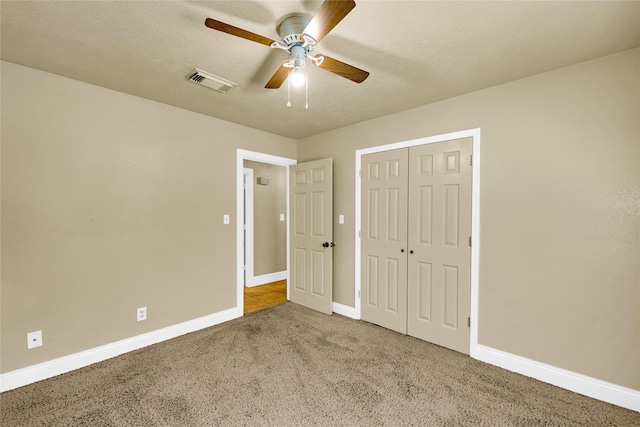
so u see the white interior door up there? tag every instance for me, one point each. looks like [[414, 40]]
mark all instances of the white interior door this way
[[311, 234], [384, 239], [439, 261]]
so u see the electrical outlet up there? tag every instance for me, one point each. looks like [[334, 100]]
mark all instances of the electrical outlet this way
[[142, 313], [34, 339]]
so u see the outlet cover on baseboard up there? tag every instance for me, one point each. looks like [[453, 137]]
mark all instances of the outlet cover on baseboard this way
[[141, 314]]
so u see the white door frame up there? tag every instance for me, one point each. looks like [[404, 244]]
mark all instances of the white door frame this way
[[248, 226], [255, 156], [474, 134]]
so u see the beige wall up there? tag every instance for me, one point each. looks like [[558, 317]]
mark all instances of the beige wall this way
[[111, 202], [559, 215], [269, 233]]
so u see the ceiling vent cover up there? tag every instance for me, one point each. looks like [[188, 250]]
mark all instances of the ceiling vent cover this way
[[209, 80]]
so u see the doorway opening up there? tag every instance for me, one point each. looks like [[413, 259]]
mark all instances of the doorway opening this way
[[264, 223], [245, 252]]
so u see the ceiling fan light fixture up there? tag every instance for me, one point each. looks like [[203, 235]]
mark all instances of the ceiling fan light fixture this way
[[297, 77]]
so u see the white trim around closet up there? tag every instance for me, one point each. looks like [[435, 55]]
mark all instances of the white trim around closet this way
[[475, 217]]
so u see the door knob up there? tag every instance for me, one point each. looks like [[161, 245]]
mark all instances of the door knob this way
[[327, 244]]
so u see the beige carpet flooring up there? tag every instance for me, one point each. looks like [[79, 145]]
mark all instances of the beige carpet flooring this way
[[288, 365]]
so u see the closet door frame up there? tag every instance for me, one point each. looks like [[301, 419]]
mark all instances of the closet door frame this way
[[474, 134]]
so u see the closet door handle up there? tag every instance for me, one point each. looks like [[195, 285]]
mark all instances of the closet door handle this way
[[410, 252], [402, 250]]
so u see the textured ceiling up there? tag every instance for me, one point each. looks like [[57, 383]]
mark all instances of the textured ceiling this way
[[416, 51]]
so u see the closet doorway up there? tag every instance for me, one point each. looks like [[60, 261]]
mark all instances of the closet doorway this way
[[415, 256]]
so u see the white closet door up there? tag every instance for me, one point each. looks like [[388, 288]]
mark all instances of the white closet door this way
[[415, 241], [439, 262], [384, 239]]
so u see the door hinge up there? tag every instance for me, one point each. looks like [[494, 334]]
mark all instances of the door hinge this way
[[469, 241], [358, 293], [359, 234], [471, 160], [469, 321], [360, 173]]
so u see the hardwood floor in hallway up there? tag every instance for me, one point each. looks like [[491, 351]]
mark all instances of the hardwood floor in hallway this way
[[263, 296]]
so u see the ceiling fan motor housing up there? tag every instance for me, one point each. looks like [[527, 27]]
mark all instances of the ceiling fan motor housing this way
[[290, 30]]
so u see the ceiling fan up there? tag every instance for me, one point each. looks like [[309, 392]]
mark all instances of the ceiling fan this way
[[300, 35]]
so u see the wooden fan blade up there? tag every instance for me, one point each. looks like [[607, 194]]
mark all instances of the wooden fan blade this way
[[238, 32], [278, 77], [345, 70], [328, 16]]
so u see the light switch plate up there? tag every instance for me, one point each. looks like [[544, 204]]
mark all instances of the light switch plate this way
[[225, 219], [340, 219], [141, 314], [281, 217]]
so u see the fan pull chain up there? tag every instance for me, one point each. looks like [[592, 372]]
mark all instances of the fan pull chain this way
[[306, 90], [289, 89]]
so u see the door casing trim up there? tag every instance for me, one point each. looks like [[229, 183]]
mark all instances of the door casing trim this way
[[474, 134], [247, 221]]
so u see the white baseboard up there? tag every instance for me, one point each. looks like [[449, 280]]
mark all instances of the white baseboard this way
[[51, 368], [588, 386], [267, 278], [582, 384], [344, 310]]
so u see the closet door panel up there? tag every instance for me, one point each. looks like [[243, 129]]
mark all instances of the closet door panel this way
[[384, 239], [439, 260]]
